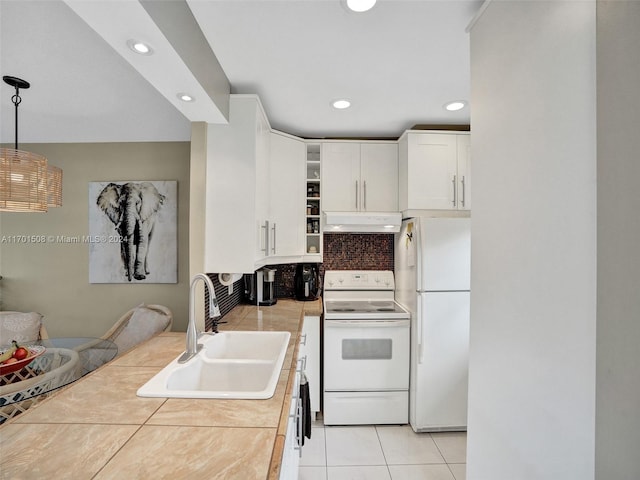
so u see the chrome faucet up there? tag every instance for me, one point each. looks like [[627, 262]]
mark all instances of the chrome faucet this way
[[193, 347]]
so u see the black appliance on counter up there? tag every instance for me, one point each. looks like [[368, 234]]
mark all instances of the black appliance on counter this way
[[259, 287], [307, 282]]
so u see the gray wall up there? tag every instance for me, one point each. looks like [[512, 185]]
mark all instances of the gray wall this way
[[618, 351], [533, 281], [53, 278]]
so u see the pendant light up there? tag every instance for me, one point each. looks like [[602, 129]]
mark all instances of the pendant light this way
[[27, 182]]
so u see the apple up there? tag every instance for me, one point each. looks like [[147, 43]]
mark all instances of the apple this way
[[21, 353], [10, 361]]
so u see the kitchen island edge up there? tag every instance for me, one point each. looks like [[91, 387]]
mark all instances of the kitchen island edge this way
[[129, 417]]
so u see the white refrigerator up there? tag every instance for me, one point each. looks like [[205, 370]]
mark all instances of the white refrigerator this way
[[432, 272]]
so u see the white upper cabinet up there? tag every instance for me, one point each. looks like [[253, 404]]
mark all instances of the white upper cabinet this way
[[434, 171], [358, 177], [287, 197], [255, 211], [340, 176], [263, 229], [313, 205], [237, 181], [265, 190], [379, 174], [464, 172]]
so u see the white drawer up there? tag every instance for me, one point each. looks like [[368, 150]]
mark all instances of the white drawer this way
[[363, 408]]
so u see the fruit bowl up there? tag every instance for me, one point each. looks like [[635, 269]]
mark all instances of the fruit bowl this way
[[34, 351]]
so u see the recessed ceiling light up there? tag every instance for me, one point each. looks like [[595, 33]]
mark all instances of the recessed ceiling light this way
[[140, 47], [360, 5], [341, 104], [454, 106], [185, 97]]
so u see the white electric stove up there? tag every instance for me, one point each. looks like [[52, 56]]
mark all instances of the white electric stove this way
[[366, 349]]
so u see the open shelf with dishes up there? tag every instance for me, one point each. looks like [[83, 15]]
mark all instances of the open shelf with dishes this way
[[313, 211]]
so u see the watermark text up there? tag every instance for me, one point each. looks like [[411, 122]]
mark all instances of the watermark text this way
[[60, 239]]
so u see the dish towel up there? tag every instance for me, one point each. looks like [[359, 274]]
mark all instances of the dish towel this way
[[305, 418]]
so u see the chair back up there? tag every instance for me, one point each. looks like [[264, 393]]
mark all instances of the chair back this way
[[139, 324], [21, 327]]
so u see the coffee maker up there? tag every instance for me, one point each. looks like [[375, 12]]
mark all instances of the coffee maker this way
[[260, 287], [306, 282]]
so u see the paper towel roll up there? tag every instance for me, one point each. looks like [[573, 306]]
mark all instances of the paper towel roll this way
[[228, 279]]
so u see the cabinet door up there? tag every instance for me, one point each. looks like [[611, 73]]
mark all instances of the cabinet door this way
[[231, 189], [287, 213], [262, 136], [291, 449], [464, 172], [379, 177], [341, 177], [432, 171], [403, 172], [310, 347]]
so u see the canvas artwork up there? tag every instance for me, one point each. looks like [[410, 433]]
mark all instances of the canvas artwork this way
[[133, 232]]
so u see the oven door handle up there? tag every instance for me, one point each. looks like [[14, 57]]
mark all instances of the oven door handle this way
[[366, 323]]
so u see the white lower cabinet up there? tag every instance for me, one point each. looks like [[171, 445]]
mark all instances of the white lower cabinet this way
[[308, 364], [310, 348], [293, 439]]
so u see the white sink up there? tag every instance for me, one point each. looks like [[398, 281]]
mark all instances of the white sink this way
[[246, 345], [242, 365]]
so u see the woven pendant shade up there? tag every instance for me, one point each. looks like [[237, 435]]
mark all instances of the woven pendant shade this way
[[23, 181], [27, 183], [54, 186]]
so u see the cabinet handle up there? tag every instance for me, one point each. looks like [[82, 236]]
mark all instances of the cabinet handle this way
[[356, 195], [299, 427], [463, 192], [454, 190], [303, 339], [297, 412], [364, 195], [274, 239], [265, 238], [303, 364]]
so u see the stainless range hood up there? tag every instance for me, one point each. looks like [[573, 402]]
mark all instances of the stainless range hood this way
[[362, 222]]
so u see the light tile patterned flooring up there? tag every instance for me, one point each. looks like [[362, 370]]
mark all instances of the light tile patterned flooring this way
[[382, 453]]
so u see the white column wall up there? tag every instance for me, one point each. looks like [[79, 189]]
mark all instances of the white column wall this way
[[618, 353], [197, 213], [533, 302]]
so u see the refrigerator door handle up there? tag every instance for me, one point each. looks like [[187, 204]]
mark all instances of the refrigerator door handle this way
[[419, 333]]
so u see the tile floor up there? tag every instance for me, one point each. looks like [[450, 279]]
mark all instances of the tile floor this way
[[382, 453]]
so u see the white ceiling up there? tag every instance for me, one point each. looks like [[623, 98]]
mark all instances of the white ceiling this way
[[398, 64]]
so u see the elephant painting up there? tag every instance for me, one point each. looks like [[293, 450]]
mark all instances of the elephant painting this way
[[132, 207]]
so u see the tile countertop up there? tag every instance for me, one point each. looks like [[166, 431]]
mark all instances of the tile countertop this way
[[98, 427]]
